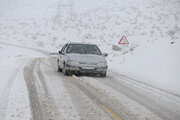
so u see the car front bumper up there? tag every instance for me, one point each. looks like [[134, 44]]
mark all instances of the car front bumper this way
[[86, 69]]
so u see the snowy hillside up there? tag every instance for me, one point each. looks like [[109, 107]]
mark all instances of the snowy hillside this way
[[152, 26]]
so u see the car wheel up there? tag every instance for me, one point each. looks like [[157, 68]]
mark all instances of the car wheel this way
[[103, 74], [64, 70], [59, 69]]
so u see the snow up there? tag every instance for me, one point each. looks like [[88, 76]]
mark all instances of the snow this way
[[60, 95], [8, 68], [127, 105], [18, 101], [13, 91], [10, 60], [151, 27], [157, 65]]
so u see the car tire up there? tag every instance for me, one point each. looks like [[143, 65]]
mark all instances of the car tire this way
[[59, 69], [64, 70], [103, 74]]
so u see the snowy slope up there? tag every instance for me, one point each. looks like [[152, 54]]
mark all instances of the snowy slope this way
[[149, 25]]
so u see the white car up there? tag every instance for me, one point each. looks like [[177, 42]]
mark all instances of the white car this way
[[82, 58]]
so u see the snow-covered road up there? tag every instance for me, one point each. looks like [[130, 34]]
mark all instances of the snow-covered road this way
[[53, 96]]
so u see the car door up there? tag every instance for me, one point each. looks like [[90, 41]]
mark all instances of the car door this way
[[62, 56]]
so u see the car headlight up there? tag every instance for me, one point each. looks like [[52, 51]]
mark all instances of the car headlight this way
[[102, 64]]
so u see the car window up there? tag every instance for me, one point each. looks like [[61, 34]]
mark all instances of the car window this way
[[73, 49], [83, 49]]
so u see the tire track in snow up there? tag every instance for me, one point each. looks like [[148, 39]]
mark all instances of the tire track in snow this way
[[87, 109], [41, 104], [57, 90], [117, 102], [39, 101], [36, 109], [94, 97]]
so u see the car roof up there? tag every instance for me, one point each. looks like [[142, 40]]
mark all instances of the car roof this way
[[81, 43]]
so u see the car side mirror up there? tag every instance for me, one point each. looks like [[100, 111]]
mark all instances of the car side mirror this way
[[62, 53], [105, 54], [59, 52]]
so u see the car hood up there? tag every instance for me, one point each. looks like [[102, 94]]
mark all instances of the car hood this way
[[86, 58]]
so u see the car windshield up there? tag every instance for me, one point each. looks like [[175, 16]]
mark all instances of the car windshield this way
[[83, 49]]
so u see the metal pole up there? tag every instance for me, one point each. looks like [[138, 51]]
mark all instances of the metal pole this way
[[123, 52]]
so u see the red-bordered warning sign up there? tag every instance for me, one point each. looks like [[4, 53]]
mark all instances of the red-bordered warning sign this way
[[123, 40]]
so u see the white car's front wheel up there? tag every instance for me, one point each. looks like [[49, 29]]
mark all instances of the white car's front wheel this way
[[103, 74], [64, 70], [58, 67]]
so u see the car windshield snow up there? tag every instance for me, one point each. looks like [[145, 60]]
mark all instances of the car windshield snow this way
[[83, 49]]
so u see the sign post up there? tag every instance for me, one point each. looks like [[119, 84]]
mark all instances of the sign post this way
[[123, 41], [123, 51]]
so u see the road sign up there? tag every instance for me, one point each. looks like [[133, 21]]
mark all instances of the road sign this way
[[123, 40]]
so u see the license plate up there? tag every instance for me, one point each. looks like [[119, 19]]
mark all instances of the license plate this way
[[88, 68]]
